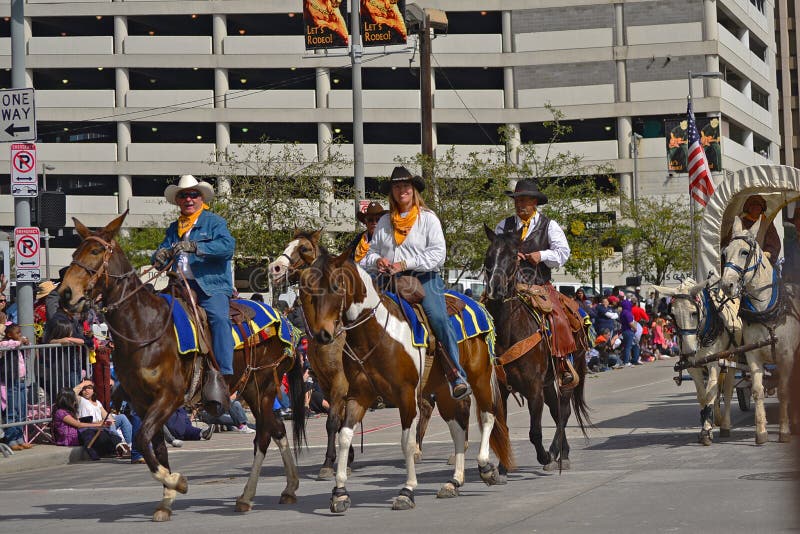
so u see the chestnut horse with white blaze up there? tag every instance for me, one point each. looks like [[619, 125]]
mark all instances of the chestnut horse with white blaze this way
[[156, 378], [338, 296]]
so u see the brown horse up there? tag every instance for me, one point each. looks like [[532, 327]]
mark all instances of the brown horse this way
[[531, 375], [337, 297], [156, 378]]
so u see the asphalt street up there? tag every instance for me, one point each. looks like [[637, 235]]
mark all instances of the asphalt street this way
[[640, 470]]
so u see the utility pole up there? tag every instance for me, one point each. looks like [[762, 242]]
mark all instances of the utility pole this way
[[358, 115], [426, 96], [22, 205]]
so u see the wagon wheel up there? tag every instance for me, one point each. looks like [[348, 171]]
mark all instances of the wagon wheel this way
[[744, 394]]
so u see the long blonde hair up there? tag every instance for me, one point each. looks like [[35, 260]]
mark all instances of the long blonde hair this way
[[417, 201]]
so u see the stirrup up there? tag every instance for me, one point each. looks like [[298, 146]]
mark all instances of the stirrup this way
[[460, 390]]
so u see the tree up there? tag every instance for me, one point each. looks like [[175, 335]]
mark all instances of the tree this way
[[140, 243], [655, 234]]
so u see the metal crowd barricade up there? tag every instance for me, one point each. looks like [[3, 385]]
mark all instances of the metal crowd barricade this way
[[30, 379]]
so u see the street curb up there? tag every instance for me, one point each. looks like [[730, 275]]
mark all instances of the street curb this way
[[41, 456]]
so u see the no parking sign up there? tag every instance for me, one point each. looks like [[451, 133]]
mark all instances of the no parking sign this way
[[26, 253], [24, 181]]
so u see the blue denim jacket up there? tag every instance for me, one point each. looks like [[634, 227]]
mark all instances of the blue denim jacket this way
[[215, 245]]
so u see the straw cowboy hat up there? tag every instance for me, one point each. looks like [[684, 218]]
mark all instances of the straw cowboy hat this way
[[528, 187], [401, 174], [44, 289], [187, 181], [374, 208]]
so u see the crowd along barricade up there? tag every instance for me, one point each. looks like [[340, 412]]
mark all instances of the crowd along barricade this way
[[30, 379]]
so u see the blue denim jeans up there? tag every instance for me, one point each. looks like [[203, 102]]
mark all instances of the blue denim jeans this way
[[630, 349], [217, 307], [436, 310], [136, 424], [122, 424], [236, 416], [17, 407]]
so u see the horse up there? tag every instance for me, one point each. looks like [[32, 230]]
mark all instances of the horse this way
[[156, 378], [531, 374], [339, 296], [770, 310], [698, 314]]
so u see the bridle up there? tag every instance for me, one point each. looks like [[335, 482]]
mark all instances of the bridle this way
[[512, 280], [748, 268]]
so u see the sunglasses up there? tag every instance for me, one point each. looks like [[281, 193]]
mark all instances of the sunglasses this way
[[372, 219], [188, 194]]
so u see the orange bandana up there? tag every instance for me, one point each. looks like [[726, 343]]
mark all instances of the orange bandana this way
[[362, 248], [185, 222], [402, 225]]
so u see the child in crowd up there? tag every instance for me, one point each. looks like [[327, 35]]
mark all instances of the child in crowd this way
[[13, 394]]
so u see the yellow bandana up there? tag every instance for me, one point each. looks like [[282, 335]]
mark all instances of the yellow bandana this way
[[362, 248], [526, 225], [185, 222], [402, 225]]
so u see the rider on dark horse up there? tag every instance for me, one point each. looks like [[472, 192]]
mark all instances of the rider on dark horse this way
[[543, 247], [203, 248]]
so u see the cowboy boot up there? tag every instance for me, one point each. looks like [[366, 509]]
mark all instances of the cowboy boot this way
[[215, 396], [459, 388]]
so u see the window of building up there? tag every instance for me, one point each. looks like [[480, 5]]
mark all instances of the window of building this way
[[170, 25], [652, 127], [82, 185], [759, 5], [580, 130], [171, 79], [758, 48], [5, 27], [761, 145], [5, 78], [469, 78], [474, 22], [54, 79], [72, 26], [275, 132], [736, 133], [401, 78], [341, 78], [468, 134], [266, 24], [151, 186], [398, 133], [759, 96], [272, 79], [76, 132], [173, 132]]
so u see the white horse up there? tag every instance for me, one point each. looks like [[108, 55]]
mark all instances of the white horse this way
[[698, 313], [770, 311]]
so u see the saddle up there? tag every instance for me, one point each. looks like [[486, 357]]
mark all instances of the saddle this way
[[559, 311], [454, 307]]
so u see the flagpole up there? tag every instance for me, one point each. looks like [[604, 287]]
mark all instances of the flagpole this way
[[691, 200]]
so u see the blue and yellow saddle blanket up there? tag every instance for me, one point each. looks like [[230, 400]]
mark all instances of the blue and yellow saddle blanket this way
[[265, 318], [474, 320]]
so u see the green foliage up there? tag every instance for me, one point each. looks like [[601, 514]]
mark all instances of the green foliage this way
[[139, 243]]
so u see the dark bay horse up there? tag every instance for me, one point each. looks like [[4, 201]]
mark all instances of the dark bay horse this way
[[531, 375], [339, 297], [156, 378]]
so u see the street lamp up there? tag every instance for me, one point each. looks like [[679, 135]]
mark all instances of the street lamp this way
[[45, 168], [694, 76], [46, 236]]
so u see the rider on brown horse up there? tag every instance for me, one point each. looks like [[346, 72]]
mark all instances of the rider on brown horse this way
[[203, 247], [543, 247], [369, 217]]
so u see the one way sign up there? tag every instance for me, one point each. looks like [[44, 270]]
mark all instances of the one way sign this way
[[17, 115]]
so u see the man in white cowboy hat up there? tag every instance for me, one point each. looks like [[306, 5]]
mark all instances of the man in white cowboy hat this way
[[543, 246], [203, 248]]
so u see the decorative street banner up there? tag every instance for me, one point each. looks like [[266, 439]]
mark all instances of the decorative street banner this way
[[677, 139], [382, 22], [325, 27]]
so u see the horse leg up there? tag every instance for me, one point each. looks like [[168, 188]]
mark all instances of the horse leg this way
[[560, 410], [485, 399], [535, 407], [502, 469], [784, 376], [332, 425], [426, 405], [706, 414], [354, 412], [728, 379], [456, 415], [757, 376], [408, 412]]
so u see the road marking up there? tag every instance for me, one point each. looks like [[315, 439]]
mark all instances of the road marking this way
[[640, 386]]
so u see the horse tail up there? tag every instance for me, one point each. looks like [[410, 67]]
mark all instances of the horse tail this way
[[297, 391], [499, 439], [579, 405]]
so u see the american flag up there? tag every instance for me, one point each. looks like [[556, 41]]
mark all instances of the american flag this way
[[701, 187]]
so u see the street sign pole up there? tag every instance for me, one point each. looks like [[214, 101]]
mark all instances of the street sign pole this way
[[22, 205]]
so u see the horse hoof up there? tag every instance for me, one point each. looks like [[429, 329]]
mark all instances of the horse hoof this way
[[784, 437], [326, 473], [552, 466], [565, 465], [287, 498], [341, 504], [417, 457], [162, 514], [401, 502], [490, 476], [761, 438], [447, 491], [183, 485], [724, 432], [501, 480], [705, 441], [242, 506]]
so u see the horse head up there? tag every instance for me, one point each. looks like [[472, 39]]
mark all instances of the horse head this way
[[94, 262], [740, 258], [501, 263], [332, 290], [686, 312], [299, 253]]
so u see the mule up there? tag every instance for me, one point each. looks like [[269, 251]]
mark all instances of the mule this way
[[156, 378], [702, 331], [770, 310], [531, 375], [338, 296]]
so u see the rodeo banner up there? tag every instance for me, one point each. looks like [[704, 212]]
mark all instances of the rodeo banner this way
[[677, 143], [382, 22], [325, 26]]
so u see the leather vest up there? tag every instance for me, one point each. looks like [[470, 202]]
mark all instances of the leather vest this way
[[537, 240]]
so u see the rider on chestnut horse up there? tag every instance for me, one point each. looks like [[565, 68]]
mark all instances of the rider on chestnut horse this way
[[543, 246]]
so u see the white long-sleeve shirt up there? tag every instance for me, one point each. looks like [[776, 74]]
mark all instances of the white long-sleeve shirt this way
[[558, 253], [423, 250]]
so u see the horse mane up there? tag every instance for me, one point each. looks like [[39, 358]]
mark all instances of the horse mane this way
[[305, 234]]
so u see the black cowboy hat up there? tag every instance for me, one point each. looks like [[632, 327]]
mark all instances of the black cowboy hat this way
[[528, 187], [374, 208], [401, 174]]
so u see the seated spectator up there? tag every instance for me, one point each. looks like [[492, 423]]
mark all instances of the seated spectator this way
[[605, 344], [180, 426], [89, 406], [69, 431], [316, 403], [235, 419], [13, 381]]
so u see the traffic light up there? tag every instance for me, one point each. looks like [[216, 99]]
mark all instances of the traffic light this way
[[51, 210]]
